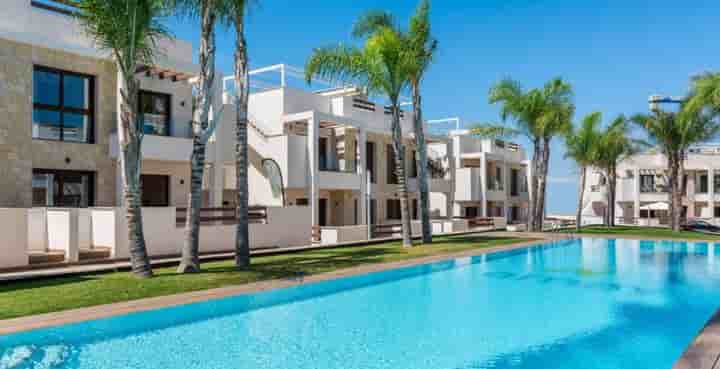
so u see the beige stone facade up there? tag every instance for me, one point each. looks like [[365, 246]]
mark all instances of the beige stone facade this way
[[20, 153]]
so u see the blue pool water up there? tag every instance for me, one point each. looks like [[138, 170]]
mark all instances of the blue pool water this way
[[587, 304]]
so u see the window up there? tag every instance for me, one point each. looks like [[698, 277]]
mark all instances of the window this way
[[62, 105], [63, 188], [647, 183], [415, 209], [716, 212], [471, 212], [155, 190], [393, 209], [702, 185], [716, 183], [155, 113], [370, 160], [302, 202], [413, 165], [390, 165]]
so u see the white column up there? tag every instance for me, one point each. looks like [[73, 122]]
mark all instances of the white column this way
[[360, 163], [483, 184], [452, 167], [313, 169], [711, 192], [636, 197]]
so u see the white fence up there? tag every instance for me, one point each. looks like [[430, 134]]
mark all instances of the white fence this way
[[72, 230]]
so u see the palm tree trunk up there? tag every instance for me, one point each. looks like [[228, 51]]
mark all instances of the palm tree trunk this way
[[581, 196], [422, 165], [130, 162], [611, 193], [532, 224], [190, 261], [541, 186], [675, 190], [399, 149], [242, 235]]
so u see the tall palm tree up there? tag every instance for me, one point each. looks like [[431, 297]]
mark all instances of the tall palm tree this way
[[421, 51], [129, 30], [202, 126], [381, 66], [235, 13], [614, 145], [540, 114], [581, 145], [674, 133], [705, 94]]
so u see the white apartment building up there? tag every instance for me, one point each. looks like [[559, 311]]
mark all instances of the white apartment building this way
[[491, 178], [328, 144], [642, 195]]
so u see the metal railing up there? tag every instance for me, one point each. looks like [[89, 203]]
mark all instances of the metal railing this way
[[222, 216]]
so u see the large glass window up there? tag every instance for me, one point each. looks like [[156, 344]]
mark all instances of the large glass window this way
[[62, 188], [155, 113], [62, 105], [155, 190]]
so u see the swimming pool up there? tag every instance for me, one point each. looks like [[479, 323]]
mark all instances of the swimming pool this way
[[589, 303]]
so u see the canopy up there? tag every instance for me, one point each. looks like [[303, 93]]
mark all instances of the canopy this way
[[656, 206]]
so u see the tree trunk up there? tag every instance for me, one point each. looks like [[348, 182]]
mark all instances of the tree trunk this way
[[130, 141], [676, 187], [242, 236], [537, 149], [612, 183], [541, 186], [399, 149], [422, 166], [190, 261], [581, 195]]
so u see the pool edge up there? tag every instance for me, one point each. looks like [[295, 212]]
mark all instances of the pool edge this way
[[47, 320]]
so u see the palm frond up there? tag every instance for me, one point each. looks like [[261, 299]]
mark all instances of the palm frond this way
[[371, 22], [493, 131]]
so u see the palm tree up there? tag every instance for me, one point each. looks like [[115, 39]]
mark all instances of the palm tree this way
[[202, 126], [422, 47], [129, 30], [613, 145], [235, 14], [705, 94], [581, 145], [540, 115], [674, 133], [381, 66]]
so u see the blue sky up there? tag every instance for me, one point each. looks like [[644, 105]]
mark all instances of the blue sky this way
[[614, 52]]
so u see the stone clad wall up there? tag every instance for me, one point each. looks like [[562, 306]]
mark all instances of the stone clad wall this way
[[19, 153]]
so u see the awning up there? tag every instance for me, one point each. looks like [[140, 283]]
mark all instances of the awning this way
[[163, 73], [656, 206]]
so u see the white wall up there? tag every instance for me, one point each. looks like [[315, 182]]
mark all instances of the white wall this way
[[289, 226], [13, 244]]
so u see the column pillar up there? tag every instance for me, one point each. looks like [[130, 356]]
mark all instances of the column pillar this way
[[636, 197], [483, 185], [313, 169], [360, 163], [711, 192], [452, 166]]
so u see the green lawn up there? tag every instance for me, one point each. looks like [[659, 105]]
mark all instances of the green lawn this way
[[42, 296], [650, 232]]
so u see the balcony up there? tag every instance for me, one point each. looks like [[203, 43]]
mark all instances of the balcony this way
[[164, 148], [339, 180], [440, 185], [469, 185]]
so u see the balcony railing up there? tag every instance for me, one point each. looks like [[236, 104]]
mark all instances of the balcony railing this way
[[654, 189]]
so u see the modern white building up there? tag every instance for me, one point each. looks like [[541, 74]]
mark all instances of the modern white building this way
[[328, 144], [642, 193], [490, 175]]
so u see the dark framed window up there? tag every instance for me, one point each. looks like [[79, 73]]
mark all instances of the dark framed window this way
[[154, 112], [63, 105], [716, 212], [393, 209], [302, 202], [413, 165], [370, 160], [415, 208], [390, 165], [155, 190], [63, 188]]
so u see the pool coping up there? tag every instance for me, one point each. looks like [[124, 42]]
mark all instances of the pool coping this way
[[704, 350], [47, 320]]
